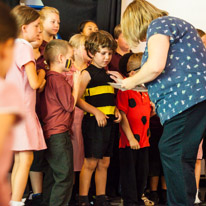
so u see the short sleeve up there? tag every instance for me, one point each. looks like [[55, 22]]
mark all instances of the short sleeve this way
[[168, 26], [23, 54], [65, 97], [122, 101], [10, 100]]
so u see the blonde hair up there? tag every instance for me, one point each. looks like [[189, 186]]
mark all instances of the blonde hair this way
[[54, 48], [47, 10], [136, 19], [134, 61], [117, 31], [24, 15], [77, 40]]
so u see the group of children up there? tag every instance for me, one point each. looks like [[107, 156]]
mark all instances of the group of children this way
[[70, 114]]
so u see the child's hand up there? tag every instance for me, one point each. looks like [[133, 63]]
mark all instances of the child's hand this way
[[101, 118], [134, 144], [76, 77], [117, 116], [152, 113], [41, 88], [42, 71]]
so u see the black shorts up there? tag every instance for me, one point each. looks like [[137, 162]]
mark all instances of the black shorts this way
[[38, 162], [98, 141]]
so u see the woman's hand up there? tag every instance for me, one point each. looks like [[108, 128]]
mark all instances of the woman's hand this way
[[128, 83], [115, 76]]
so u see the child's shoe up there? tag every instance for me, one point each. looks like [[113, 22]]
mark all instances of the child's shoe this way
[[154, 197], [84, 201], [15, 203], [101, 200], [147, 202], [37, 199]]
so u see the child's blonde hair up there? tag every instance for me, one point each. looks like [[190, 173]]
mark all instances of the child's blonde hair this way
[[134, 61], [136, 19], [24, 15], [117, 31], [77, 40], [54, 48], [47, 10]]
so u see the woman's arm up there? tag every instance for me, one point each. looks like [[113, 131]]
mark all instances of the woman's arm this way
[[100, 116], [35, 80], [134, 144], [158, 47]]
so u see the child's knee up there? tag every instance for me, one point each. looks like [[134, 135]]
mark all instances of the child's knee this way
[[90, 164], [103, 163]]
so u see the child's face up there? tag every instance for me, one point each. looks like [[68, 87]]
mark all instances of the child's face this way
[[6, 56], [32, 31], [51, 24], [102, 58], [81, 53], [122, 43], [89, 28], [204, 39], [36, 44]]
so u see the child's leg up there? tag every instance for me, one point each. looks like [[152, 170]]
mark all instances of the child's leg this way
[[88, 168], [59, 155], [36, 181], [22, 164], [101, 175]]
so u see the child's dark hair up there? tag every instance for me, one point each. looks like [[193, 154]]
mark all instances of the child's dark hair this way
[[100, 39], [24, 15], [82, 25], [8, 27], [54, 48], [130, 62]]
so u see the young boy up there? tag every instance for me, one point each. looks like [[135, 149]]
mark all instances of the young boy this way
[[57, 104], [98, 122], [122, 48], [135, 109]]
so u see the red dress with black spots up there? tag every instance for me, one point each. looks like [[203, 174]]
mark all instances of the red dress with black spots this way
[[136, 106]]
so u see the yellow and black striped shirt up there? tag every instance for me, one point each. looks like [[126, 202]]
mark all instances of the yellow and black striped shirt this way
[[98, 92]]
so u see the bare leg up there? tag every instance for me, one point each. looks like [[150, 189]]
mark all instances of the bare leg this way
[[86, 174], [154, 180], [101, 175], [163, 183], [197, 172], [23, 161], [36, 181]]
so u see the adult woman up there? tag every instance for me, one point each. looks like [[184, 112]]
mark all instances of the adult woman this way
[[174, 70]]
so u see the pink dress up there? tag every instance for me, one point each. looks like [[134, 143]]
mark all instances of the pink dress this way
[[29, 134], [10, 103], [76, 137]]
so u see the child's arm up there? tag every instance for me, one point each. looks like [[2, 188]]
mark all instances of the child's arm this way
[[35, 80], [76, 85], [6, 122], [152, 113], [100, 116], [117, 115], [134, 144]]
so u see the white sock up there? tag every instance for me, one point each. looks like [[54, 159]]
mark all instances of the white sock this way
[[197, 200], [15, 203]]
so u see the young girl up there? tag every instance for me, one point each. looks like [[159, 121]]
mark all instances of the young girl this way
[[51, 21], [80, 62], [11, 109], [28, 135], [87, 27]]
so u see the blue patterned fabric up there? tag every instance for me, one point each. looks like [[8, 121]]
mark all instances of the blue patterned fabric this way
[[182, 83]]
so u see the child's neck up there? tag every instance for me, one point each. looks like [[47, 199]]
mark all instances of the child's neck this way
[[121, 52], [56, 68], [37, 53], [79, 64], [47, 37]]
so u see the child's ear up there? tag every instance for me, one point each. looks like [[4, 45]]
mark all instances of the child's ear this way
[[23, 28], [60, 58]]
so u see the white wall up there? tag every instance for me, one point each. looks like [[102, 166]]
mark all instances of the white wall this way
[[193, 11]]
